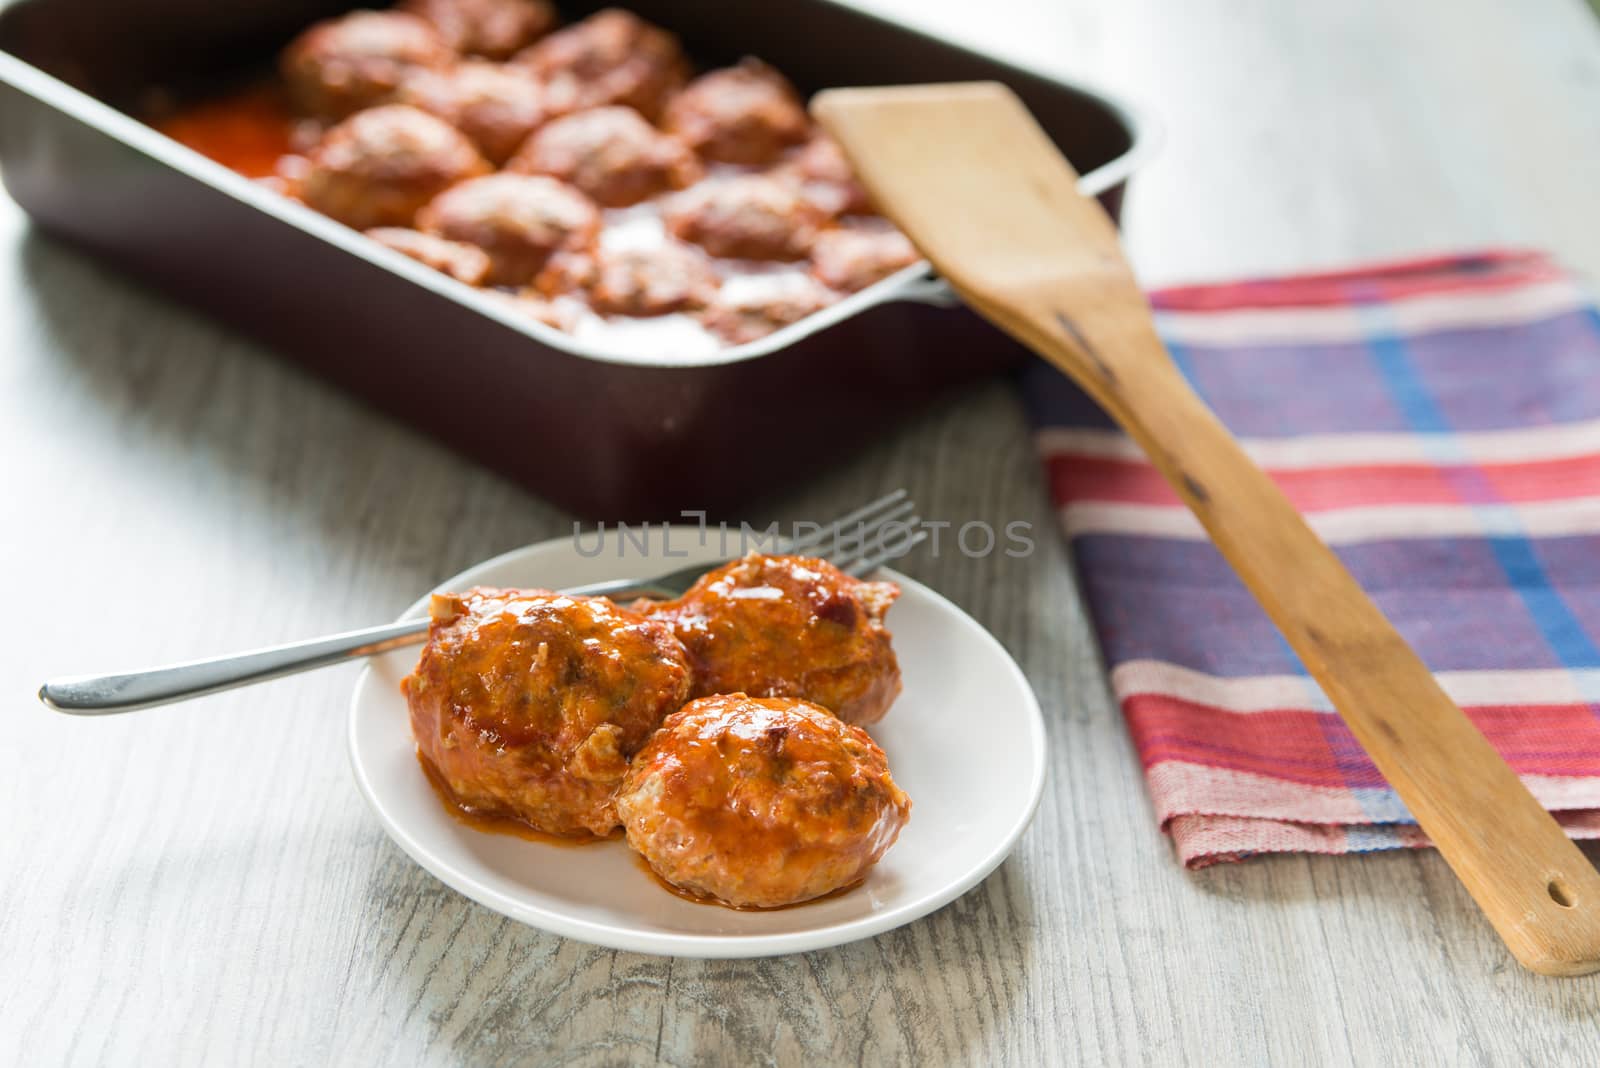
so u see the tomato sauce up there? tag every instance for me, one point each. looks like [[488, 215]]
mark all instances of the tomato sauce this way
[[248, 131]]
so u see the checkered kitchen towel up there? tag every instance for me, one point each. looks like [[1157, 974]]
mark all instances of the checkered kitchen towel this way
[[1438, 421]]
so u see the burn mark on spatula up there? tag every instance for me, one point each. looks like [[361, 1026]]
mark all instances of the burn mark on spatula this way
[[1195, 487], [1072, 331]]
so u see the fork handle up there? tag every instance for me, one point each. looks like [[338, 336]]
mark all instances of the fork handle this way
[[99, 695]]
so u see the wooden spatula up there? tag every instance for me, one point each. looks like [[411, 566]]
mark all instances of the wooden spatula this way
[[972, 179]]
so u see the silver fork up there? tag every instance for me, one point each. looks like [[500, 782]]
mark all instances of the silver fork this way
[[861, 541]]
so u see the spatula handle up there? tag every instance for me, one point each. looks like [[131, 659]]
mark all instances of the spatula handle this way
[[1539, 891], [986, 196]]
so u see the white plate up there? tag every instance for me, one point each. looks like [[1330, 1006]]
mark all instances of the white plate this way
[[965, 741]]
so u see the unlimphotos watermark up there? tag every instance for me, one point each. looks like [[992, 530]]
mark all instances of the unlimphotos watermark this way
[[974, 538]]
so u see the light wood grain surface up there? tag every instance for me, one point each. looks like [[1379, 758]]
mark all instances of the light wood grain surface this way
[[201, 883]]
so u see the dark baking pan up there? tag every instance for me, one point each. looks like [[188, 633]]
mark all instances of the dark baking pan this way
[[604, 435]]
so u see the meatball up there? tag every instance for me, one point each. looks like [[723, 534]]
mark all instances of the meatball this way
[[638, 282], [560, 313], [760, 803], [610, 153], [492, 28], [826, 177], [611, 57], [379, 166], [464, 263], [288, 175], [790, 626], [749, 217], [519, 220], [497, 107], [745, 313], [345, 64], [854, 258], [529, 704], [746, 114]]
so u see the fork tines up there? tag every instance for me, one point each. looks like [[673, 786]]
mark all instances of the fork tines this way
[[867, 537]]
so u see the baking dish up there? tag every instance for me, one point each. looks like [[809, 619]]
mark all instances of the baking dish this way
[[603, 434]]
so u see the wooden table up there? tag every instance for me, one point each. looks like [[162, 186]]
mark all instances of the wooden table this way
[[189, 884]]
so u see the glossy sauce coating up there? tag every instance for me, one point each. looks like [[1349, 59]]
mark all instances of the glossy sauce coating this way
[[790, 626], [529, 704], [760, 802]]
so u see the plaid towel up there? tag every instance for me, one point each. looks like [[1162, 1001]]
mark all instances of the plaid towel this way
[[1438, 422]]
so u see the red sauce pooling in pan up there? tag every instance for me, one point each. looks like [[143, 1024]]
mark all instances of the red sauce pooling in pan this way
[[247, 131]]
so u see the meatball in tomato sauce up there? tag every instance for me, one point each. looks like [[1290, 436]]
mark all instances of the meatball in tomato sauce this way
[[519, 220], [464, 263], [849, 258], [746, 114], [342, 65], [611, 57], [760, 803], [826, 178], [561, 313], [638, 282], [749, 217], [380, 166], [494, 105], [611, 154], [745, 313], [529, 704], [790, 626], [495, 29]]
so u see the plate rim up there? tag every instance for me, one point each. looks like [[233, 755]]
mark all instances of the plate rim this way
[[704, 946]]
